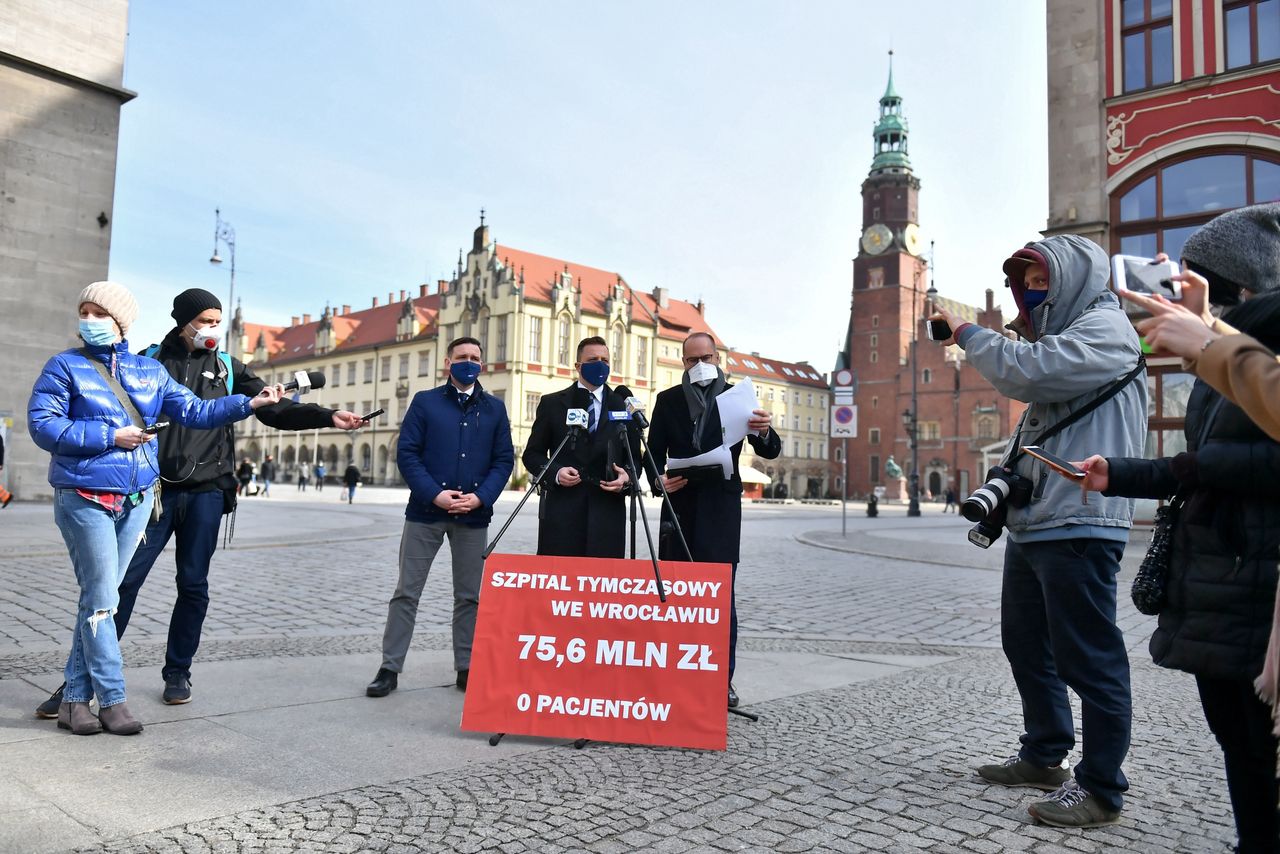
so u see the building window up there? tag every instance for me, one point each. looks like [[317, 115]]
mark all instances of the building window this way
[[501, 354], [796, 422], [930, 431], [926, 376], [1252, 32], [1147, 38], [875, 402], [875, 277], [1160, 208], [336, 374], [873, 468], [368, 370], [384, 405], [642, 357], [351, 373], [873, 436], [404, 366], [535, 339], [386, 368], [839, 454], [795, 448], [875, 320], [562, 341], [875, 357], [808, 450], [875, 339], [531, 405], [986, 428], [401, 404], [424, 363]]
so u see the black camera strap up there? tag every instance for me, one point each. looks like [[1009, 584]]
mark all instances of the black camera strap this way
[[1110, 392]]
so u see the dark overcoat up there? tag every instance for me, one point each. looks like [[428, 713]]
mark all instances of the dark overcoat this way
[[582, 520], [709, 509]]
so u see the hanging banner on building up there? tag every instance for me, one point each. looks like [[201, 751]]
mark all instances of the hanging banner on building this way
[[583, 648]]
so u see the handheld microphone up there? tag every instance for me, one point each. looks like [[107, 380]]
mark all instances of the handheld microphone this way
[[304, 381], [635, 408], [576, 421], [619, 418]]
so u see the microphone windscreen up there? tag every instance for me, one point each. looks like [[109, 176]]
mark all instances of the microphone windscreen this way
[[575, 418], [317, 379]]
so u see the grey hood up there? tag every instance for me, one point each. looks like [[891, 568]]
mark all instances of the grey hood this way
[[1078, 274]]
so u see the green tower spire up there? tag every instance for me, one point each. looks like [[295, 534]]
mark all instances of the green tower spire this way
[[890, 132]]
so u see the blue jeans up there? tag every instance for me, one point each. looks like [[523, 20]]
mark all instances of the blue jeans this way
[[195, 518], [101, 544], [1058, 628]]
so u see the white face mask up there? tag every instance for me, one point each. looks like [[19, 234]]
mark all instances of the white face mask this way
[[209, 338], [703, 373]]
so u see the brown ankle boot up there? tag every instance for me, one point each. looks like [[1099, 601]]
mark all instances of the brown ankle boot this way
[[77, 718], [117, 719]]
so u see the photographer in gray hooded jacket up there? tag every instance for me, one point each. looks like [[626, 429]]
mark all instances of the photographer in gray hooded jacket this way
[[1058, 603]]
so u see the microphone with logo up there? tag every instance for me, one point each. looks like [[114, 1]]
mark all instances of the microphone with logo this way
[[304, 381], [576, 421]]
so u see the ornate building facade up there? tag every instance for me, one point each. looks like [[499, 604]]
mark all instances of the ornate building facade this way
[[959, 417], [528, 310], [1162, 115]]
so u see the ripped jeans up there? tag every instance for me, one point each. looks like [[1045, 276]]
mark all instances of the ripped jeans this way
[[101, 544]]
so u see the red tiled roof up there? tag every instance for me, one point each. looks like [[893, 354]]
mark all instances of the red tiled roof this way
[[748, 364], [352, 331], [677, 321]]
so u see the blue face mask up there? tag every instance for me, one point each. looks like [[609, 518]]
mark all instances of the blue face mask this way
[[465, 373], [98, 333], [595, 373], [1032, 299]]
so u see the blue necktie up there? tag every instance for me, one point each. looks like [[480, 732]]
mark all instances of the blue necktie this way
[[591, 415]]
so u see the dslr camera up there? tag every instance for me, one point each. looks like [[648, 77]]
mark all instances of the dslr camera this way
[[990, 502]]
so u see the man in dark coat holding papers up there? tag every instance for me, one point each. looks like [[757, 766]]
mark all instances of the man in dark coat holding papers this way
[[686, 423], [582, 512]]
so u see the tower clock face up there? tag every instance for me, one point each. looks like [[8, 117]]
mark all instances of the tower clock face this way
[[876, 239], [911, 239]]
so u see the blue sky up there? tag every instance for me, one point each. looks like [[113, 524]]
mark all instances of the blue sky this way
[[714, 148]]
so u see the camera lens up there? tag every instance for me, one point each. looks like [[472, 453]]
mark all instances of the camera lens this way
[[986, 499]]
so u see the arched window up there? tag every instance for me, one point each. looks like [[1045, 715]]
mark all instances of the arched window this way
[[564, 353], [926, 376], [1158, 209], [615, 348]]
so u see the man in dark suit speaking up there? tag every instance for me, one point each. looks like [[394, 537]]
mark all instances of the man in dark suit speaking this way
[[686, 423], [582, 510]]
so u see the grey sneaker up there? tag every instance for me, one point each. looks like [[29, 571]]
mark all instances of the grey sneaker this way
[[48, 710], [177, 690], [1072, 806], [1015, 771]]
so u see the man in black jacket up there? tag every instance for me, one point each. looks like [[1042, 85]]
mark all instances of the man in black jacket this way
[[582, 513], [196, 467], [686, 423]]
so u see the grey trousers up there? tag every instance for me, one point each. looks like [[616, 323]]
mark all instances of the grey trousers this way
[[418, 546]]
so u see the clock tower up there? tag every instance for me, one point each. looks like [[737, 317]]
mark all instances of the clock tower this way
[[889, 282]]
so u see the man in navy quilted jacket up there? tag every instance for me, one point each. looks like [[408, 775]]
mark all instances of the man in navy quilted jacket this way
[[455, 454]]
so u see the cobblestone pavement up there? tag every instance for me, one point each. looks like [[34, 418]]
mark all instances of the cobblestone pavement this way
[[881, 765]]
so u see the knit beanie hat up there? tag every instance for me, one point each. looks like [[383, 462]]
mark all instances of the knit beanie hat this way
[[188, 305], [117, 301], [1241, 246]]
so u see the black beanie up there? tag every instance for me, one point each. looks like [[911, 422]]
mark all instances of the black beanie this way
[[188, 305]]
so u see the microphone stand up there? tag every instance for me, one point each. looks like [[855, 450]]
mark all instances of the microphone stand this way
[[537, 481], [632, 472]]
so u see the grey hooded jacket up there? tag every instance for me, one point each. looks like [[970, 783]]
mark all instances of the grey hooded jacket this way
[[1086, 343]]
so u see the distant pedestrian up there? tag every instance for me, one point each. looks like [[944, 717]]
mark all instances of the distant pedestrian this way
[[319, 472], [302, 479], [950, 499], [266, 474], [5, 495], [244, 474], [351, 478]]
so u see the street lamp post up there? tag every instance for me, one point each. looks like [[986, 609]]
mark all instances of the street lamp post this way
[[222, 230]]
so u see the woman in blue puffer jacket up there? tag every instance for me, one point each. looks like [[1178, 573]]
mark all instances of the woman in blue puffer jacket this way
[[102, 470]]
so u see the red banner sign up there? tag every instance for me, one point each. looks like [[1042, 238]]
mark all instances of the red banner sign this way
[[570, 647]]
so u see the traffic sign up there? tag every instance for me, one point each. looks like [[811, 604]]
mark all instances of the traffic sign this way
[[844, 376], [844, 422]]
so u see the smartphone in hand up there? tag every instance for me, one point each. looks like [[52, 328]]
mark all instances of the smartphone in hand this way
[[372, 415], [152, 429], [1055, 462], [938, 330]]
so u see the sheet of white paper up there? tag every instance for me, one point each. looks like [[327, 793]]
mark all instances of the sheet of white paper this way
[[735, 407], [718, 457]]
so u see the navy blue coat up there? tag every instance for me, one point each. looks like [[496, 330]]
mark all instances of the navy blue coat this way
[[73, 414], [446, 447]]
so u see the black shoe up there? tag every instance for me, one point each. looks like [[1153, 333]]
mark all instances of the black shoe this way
[[177, 690], [48, 710], [461, 681], [733, 697], [383, 684]]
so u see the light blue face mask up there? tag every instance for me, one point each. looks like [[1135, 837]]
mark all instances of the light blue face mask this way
[[98, 333]]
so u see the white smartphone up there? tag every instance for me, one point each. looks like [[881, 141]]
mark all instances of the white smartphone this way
[[1140, 275], [1053, 461]]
